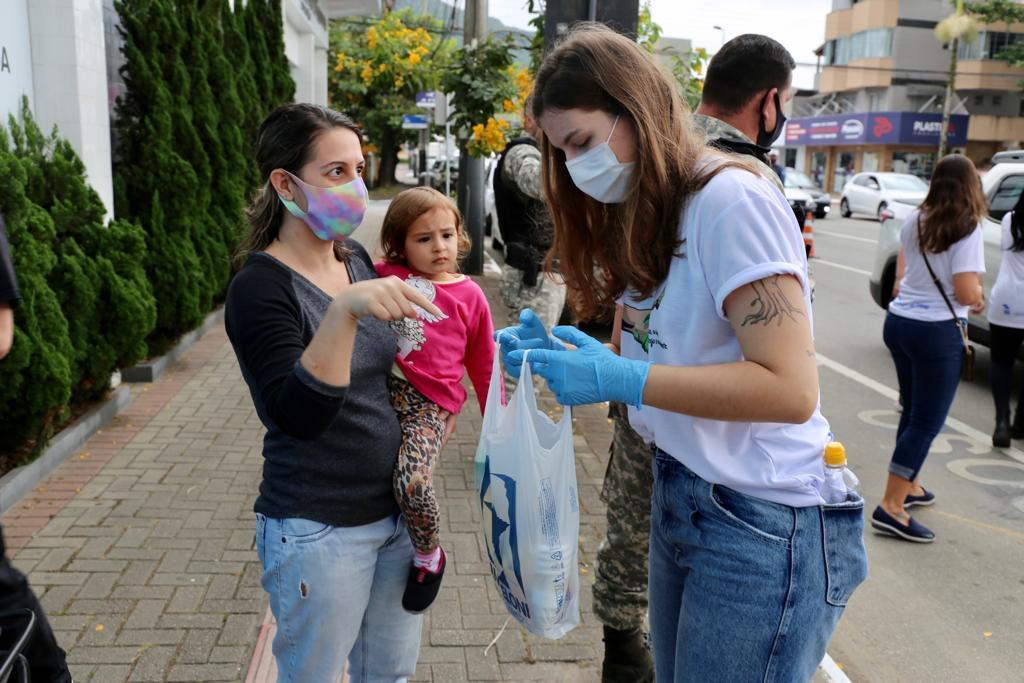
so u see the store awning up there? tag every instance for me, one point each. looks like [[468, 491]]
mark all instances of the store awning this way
[[875, 128]]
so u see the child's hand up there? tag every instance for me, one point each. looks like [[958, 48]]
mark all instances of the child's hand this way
[[449, 427]]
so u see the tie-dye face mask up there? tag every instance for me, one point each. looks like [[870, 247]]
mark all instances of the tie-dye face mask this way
[[332, 213]]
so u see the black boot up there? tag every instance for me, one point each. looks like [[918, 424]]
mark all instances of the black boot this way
[[1017, 429], [1001, 436], [626, 657]]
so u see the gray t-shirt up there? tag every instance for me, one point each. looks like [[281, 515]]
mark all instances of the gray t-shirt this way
[[329, 452]]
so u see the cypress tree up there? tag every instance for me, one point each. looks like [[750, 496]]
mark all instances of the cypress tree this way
[[255, 32], [283, 85], [35, 378], [151, 175], [237, 48]]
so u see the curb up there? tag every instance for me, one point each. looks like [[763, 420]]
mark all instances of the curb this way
[[20, 481], [150, 370]]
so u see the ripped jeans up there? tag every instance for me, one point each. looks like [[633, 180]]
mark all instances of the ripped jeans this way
[[336, 593]]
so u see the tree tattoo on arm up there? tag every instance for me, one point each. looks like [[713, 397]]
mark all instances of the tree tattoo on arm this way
[[771, 304]]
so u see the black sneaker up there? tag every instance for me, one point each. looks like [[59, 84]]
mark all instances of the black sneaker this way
[[422, 587], [887, 524]]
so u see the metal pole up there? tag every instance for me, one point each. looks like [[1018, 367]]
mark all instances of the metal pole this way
[[447, 147], [592, 12], [471, 171], [947, 103]]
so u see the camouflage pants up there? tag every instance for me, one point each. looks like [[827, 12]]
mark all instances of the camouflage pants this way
[[620, 588], [546, 298]]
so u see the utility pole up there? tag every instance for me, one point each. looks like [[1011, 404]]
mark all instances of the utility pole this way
[[957, 31], [472, 175]]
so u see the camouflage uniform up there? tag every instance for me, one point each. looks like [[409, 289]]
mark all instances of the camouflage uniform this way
[[716, 129], [620, 589]]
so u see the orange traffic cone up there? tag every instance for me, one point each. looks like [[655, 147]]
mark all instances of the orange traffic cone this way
[[809, 234]]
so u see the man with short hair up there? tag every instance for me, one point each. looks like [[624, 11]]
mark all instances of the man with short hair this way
[[746, 87], [46, 660]]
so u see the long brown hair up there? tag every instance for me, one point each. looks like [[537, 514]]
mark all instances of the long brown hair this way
[[632, 243], [285, 140], [405, 208], [954, 205]]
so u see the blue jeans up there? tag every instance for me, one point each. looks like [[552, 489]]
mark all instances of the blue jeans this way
[[743, 589], [336, 593], [928, 358]]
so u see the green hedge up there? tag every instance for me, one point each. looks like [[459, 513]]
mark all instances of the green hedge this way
[[200, 75], [87, 305]]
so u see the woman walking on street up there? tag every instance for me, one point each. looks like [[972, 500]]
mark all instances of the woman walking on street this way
[[1006, 326], [712, 352], [939, 274], [308, 319]]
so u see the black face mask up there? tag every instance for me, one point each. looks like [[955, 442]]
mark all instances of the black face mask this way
[[765, 138]]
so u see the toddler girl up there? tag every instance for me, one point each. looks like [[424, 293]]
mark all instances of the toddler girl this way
[[421, 240]]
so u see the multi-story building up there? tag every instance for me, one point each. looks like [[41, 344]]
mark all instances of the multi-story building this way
[[881, 86]]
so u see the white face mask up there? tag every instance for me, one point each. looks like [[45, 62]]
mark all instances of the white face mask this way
[[598, 172]]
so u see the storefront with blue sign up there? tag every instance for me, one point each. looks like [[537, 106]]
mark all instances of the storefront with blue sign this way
[[835, 147]]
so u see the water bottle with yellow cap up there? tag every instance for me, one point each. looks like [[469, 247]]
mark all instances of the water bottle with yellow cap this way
[[839, 479]]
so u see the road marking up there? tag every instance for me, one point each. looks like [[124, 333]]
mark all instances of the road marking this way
[[974, 522], [845, 237], [892, 394], [823, 262], [831, 671]]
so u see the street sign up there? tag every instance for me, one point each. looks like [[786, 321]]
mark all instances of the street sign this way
[[414, 122], [426, 100]]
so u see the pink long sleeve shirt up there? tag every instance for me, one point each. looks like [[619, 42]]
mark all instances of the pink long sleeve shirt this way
[[432, 355]]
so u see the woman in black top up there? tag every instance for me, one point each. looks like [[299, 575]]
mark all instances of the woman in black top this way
[[308, 320]]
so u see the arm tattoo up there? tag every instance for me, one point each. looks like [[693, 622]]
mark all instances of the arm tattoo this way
[[771, 303]]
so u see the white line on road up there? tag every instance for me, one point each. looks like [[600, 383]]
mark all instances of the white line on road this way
[[892, 394], [832, 672], [845, 237], [840, 266]]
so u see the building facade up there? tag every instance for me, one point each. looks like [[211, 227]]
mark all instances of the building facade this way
[[882, 70], [64, 55]]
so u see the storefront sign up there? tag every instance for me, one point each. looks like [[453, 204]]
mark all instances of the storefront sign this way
[[875, 128], [15, 58]]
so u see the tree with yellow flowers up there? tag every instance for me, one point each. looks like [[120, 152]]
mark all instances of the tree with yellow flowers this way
[[377, 71], [485, 83]]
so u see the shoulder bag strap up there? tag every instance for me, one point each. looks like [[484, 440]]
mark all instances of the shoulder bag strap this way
[[956, 319]]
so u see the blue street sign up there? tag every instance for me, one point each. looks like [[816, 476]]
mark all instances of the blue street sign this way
[[414, 122], [426, 100]]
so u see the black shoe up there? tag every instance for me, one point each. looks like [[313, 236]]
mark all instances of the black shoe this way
[[1017, 428], [626, 657], [887, 524], [422, 587], [925, 499], [1001, 435]]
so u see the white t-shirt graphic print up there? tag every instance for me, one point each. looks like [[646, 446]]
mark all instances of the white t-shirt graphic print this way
[[738, 229]]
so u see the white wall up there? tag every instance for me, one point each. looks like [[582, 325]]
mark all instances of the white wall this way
[[305, 45], [69, 76], [15, 58]]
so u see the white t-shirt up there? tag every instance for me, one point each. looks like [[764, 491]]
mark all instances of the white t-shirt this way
[[738, 229], [1006, 306], [919, 298]]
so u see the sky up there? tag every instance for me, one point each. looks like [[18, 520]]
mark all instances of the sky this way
[[797, 24]]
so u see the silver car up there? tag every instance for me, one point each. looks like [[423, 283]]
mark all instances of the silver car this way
[[1002, 186], [872, 193]]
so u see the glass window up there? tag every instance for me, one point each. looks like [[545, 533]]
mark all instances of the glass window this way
[[1006, 196], [919, 164], [904, 182], [997, 100]]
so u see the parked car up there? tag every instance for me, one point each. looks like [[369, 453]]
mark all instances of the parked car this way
[[1002, 187], [798, 180], [872, 193], [436, 175]]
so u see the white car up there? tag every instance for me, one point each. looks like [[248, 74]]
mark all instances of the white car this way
[[1002, 186], [871, 193]]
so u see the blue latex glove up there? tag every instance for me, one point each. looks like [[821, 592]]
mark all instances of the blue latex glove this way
[[529, 334], [590, 374]]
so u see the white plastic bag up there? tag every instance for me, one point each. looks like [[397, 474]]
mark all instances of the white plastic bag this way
[[525, 476]]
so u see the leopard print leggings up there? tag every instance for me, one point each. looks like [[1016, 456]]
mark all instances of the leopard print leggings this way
[[422, 423]]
